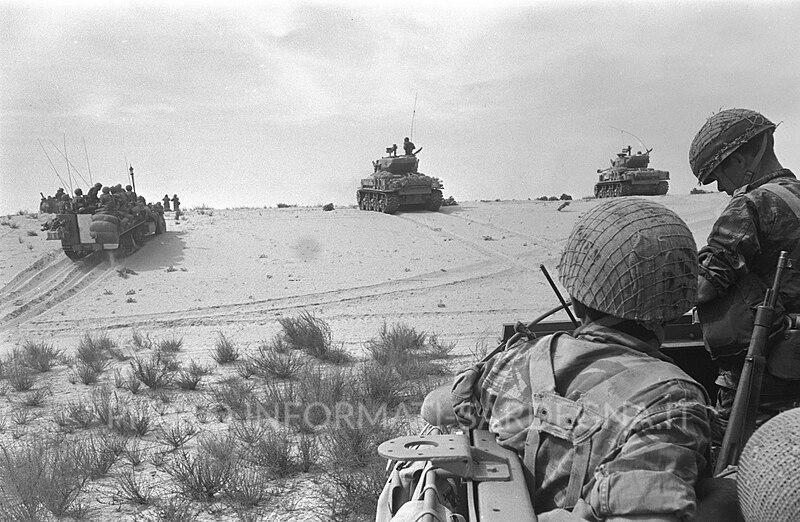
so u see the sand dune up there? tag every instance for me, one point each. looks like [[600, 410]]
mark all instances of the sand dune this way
[[461, 273]]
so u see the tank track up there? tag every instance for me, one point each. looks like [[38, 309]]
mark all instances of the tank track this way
[[612, 190], [378, 201]]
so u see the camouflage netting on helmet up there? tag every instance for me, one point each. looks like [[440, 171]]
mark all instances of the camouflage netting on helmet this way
[[768, 480], [722, 134], [631, 258]]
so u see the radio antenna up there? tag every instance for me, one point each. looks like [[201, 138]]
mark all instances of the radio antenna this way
[[91, 182], [413, 114], [632, 134]]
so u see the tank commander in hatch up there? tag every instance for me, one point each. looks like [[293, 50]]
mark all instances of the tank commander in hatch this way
[[408, 147], [735, 148]]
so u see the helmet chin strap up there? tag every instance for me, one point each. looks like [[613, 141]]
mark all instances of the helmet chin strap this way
[[749, 173]]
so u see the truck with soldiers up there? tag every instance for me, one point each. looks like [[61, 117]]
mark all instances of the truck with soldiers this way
[[115, 220]]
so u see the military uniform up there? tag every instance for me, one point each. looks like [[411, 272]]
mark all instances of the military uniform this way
[[747, 239], [606, 425], [612, 429]]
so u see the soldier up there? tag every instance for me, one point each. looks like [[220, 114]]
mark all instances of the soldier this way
[[92, 198], [176, 205], [408, 147], [166, 202], [130, 194], [121, 200], [606, 425], [79, 203], [107, 201], [59, 193], [735, 148]]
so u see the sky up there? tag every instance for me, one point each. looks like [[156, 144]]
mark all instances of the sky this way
[[251, 104]]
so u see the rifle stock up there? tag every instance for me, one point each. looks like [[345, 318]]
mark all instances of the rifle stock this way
[[742, 421]]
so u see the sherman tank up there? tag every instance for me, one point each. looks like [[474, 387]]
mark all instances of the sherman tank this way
[[396, 183], [629, 175]]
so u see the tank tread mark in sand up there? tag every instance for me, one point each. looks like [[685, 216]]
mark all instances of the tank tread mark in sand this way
[[397, 183], [630, 176]]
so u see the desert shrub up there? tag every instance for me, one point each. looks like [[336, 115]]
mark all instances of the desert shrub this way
[[75, 415], [381, 384], [438, 349], [354, 444], [40, 356], [37, 397], [396, 344], [95, 349], [308, 450], [177, 510], [313, 335], [225, 350], [121, 416], [97, 455], [176, 435], [134, 453], [131, 489], [273, 451], [19, 376], [246, 488], [32, 233], [141, 342], [22, 417], [154, 371], [202, 475], [13, 225], [270, 361], [565, 197], [87, 373], [170, 345], [42, 479], [351, 494], [187, 380], [236, 395]]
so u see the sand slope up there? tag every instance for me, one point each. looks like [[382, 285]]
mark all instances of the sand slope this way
[[460, 273]]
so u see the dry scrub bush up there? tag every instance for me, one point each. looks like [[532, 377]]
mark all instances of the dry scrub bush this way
[[131, 489], [313, 335], [40, 356], [156, 370], [225, 350], [273, 451], [170, 345], [119, 415], [176, 435], [235, 395], [141, 342], [202, 475], [19, 376], [350, 495], [36, 398], [94, 351], [270, 360], [42, 479], [407, 351], [177, 510]]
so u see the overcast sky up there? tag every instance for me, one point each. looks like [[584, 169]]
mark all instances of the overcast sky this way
[[245, 105]]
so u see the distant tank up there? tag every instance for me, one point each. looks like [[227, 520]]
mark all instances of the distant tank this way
[[396, 183], [630, 176]]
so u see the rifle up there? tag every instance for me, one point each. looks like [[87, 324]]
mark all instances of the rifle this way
[[745, 405]]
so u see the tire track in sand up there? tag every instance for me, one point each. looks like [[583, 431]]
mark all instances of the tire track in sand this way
[[51, 286]]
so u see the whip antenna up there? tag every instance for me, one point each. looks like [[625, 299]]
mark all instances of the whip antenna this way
[[413, 114], [631, 134], [87, 161]]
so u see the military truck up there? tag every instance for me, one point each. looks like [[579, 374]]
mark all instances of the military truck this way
[[396, 182], [629, 176], [121, 233]]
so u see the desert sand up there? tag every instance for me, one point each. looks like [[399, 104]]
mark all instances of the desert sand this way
[[461, 273]]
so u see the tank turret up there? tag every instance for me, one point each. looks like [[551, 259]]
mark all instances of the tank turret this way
[[630, 175]]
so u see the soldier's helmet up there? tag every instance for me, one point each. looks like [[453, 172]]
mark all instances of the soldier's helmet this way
[[128, 187], [631, 258], [106, 190], [78, 192], [98, 185], [720, 136], [768, 479]]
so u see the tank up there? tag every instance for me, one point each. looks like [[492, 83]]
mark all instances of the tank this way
[[629, 175], [395, 183]]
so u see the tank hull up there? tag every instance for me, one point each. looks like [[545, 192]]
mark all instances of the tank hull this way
[[632, 182], [395, 184]]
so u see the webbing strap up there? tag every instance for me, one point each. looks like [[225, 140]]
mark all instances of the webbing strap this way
[[792, 201], [630, 381]]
